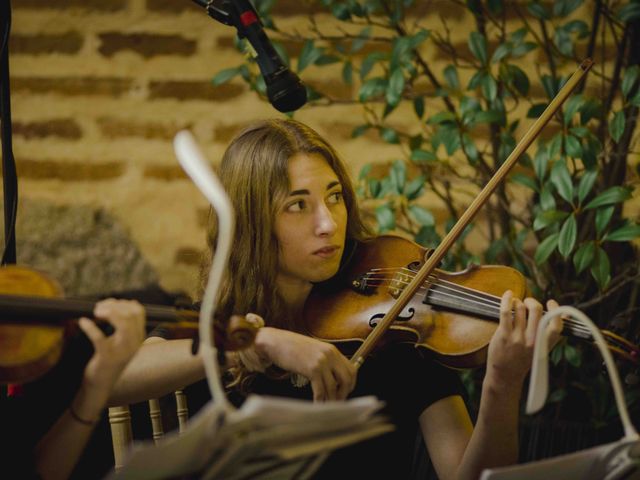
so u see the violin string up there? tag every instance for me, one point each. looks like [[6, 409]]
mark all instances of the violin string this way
[[477, 298]]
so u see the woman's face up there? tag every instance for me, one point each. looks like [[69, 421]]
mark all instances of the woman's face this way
[[311, 222]]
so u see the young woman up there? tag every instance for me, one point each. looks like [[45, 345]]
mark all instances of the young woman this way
[[296, 216]]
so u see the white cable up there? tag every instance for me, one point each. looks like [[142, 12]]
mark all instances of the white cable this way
[[539, 384], [194, 163]]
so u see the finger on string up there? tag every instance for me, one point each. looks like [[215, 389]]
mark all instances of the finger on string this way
[[506, 315], [519, 316], [556, 325], [534, 313], [91, 330]]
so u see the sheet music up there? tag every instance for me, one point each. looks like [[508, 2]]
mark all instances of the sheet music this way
[[266, 438]]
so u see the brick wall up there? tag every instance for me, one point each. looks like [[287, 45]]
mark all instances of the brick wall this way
[[99, 88]]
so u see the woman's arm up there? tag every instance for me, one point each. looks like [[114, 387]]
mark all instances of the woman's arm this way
[[59, 450], [457, 449]]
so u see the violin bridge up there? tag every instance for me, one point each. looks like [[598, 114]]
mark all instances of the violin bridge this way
[[398, 282]]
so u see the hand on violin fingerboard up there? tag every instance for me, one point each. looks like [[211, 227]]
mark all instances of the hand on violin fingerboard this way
[[113, 352], [511, 348]]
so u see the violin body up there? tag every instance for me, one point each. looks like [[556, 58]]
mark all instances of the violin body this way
[[25, 353], [346, 311]]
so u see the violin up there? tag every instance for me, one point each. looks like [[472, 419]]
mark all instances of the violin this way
[[454, 315], [35, 322]]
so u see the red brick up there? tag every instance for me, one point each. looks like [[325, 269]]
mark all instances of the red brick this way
[[164, 172], [110, 86], [66, 43], [100, 5], [191, 90], [173, 6], [112, 127], [188, 256], [145, 44], [59, 127], [71, 171]]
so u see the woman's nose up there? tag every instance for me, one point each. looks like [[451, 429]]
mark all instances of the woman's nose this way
[[325, 223]]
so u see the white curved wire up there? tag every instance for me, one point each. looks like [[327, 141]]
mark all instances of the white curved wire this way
[[539, 382], [194, 163]]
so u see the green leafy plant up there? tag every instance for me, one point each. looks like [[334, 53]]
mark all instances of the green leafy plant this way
[[560, 218]]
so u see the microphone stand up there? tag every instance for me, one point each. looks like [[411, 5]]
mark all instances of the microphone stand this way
[[9, 174]]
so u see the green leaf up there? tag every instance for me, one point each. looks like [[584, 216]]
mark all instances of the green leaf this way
[[525, 180], [389, 135], [601, 268], [561, 393], [478, 46], [341, 11], [547, 218], [590, 109], [586, 184], [470, 149], [414, 188], [489, 88], [489, 116], [223, 76], [537, 10], [501, 52], [375, 188], [616, 126], [625, 233], [362, 39], [546, 248], [547, 202], [522, 49], [449, 135], [572, 146], [398, 173], [629, 80], [418, 106], [603, 216], [308, 55], [365, 171], [629, 12], [441, 117], [568, 235], [562, 8], [561, 179], [423, 217], [572, 355], [584, 256], [386, 218], [420, 156], [360, 130], [536, 110], [563, 42], [395, 87], [369, 62], [451, 77], [572, 106], [540, 162], [372, 88], [610, 196], [635, 101], [347, 73]]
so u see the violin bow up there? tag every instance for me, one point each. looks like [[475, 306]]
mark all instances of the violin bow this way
[[447, 242]]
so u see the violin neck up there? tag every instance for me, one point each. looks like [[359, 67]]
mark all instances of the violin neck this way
[[54, 311], [487, 307]]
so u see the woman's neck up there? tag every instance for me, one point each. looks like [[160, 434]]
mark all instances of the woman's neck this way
[[294, 292]]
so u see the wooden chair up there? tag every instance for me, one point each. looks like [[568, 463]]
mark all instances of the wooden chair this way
[[122, 433]]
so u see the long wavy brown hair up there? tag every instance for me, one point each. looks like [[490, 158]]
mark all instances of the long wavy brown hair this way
[[254, 172]]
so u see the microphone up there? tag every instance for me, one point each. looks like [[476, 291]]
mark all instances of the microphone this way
[[285, 90]]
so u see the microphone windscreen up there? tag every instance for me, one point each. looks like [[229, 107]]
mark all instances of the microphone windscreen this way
[[286, 92]]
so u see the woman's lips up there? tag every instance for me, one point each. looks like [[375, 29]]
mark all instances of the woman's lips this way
[[327, 252]]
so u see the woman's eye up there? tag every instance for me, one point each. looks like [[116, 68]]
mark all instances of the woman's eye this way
[[296, 206], [335, 197]]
